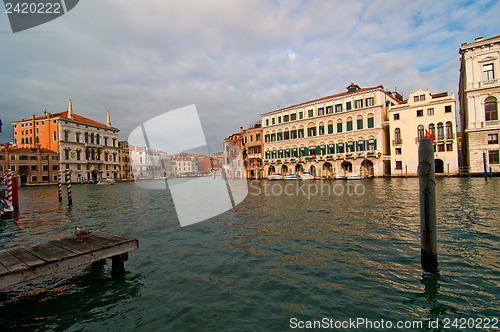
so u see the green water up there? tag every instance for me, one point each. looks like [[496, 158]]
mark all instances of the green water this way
[[272, 259]]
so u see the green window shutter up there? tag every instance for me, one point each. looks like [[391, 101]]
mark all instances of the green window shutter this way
[[339, 127], [348, 105], [360, 123], [370, 122], [375, 144], [318, 150], [330, 129]]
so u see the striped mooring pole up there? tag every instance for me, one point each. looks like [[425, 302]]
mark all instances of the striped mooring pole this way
[[59, 184], [68, 186], [9, 186]]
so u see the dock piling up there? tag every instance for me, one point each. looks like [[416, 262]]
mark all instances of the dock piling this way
[[59, 184], [68, 186], [427, 193]]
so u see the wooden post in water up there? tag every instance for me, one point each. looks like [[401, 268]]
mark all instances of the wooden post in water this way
[[484, 165], [68, 186], [59, 184], [427, 190]]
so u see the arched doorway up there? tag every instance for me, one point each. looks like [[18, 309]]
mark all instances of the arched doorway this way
[[312, 170], [327, 170], [367, 168], [299, 169], [284, 170], [346, 167], [271, 170], [439, 166]]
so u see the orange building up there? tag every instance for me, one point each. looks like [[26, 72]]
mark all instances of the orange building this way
[[87, 147]]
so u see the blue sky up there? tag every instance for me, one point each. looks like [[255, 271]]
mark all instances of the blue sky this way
[[233, 59]]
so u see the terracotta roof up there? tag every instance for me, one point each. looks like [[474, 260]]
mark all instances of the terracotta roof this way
[[439, 95], [29, 150], [76, 117], [329, 97]]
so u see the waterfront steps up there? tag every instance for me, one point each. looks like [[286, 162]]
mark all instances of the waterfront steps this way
[[25, 263]]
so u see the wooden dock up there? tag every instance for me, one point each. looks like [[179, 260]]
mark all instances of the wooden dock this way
[[24, 263]]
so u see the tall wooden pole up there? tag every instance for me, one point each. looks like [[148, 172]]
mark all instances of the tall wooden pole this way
[[427, 190], [68, 185], [59, 184]]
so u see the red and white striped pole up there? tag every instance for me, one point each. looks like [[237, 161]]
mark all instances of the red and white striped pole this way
[[9, 186], [59, 184], [4, 178], [68, 186]]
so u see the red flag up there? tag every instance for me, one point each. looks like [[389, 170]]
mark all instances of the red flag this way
[[429, 135]]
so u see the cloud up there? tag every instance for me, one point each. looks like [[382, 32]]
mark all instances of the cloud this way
[[234, 59]]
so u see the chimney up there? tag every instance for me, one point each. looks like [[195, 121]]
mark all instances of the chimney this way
[[45, 112], [70, 110], [241, 130], [108, 120], [478, 39]]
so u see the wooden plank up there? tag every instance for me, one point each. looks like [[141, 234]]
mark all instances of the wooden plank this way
[[3, 269], [11, 262], [115, 237], [25, 256], [67, 263], [77, 246], [49, 252]]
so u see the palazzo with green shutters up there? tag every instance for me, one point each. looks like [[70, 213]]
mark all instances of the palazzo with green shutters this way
[[331, 136]]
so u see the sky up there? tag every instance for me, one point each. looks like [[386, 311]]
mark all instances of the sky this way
[[233, 60]]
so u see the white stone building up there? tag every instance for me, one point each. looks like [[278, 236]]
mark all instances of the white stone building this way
[[479, 94], [410, 120], [330, 136]]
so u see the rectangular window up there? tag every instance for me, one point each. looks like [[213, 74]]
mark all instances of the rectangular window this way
[[399, 164], [449, 147], [488, 73], [257, 137], [321, 111], [279, 119], [301, 115], [293, 116], [66, 136], [338, 108], [492, 138], [415, 98], [447, 109], [33, 167], [396, 116], [358, 103], [420, 113], [398, 150], [33, 179], [329, 109], [273, 121], [267, 122], [54, 133], [66, 154], [430, 111], [310, 113], [441, 148], [493, 156], [77, 137], [369, 101], [78, 154], [286, 118], [348, 106]]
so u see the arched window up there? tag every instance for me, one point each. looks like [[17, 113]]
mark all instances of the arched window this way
[[490, 109], [449, 130], [349, 124], [432, 130], [22, 140], [339, 125], [397, 136], [330, 127], [300, 132], [97, 139], [420, 132], [311, 129], [92, 138], [321, 128], [440, 130], [371, 122], [359, 124], [86, 137]]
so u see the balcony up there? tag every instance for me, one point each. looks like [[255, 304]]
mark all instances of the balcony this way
[[397, 142], [493, 123], [488, 83]]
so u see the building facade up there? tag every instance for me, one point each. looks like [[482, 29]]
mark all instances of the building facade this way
[[330, 136], [253, 147], [125, 167], [183, 164], [409, 122], [148, 163], [479, 94], [233, 156], [86, 147], [33, 166]]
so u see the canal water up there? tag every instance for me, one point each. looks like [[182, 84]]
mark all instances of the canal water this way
[[286, 254]]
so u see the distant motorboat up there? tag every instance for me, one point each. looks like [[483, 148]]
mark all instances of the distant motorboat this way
[[275, 177], [307, 176], [352, 176], [292, 177], [107, 181]]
